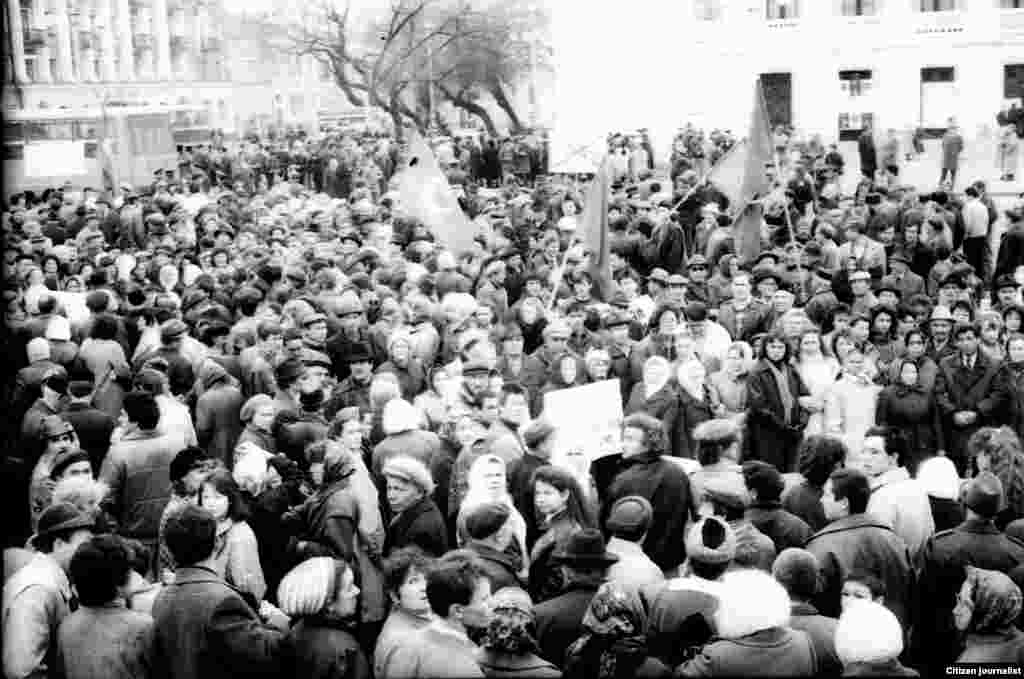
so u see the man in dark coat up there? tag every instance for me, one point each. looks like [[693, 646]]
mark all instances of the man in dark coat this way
[[202, 628], [662, 483], [92, 425], [868, 153], [416, 519], [856, 540], [765, 484], [969, 391], [975, 542], [490, 534], [559, 620]]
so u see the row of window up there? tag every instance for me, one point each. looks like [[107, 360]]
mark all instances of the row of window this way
[[775, 10]]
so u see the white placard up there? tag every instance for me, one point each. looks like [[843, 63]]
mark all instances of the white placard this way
[[587, 417], [55, 158]]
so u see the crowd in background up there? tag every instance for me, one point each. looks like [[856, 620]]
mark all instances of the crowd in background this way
[[261, 422]]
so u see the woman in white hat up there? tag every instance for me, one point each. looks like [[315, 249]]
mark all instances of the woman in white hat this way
[[322, 594]]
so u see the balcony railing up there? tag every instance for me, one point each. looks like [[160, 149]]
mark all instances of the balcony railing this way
[[950, 22]]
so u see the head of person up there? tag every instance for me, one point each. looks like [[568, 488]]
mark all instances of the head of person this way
[[488, 523], [100, 570], [797, 570], [405, 579], [538, 436], [846, 493], [556, 491], [512, 628], [751, 601], [862, 585], [710, 548], [322, 586], [514, 404], [141, 410], [966, 337], [62, 528], [630, 518], [220, 495], [984, 497], [642, 435], [408, 482], [763, 481], [776, 348], [884, 449], [188, 469], [988, 602], [458, 589], [868, 633], [71, 464], [259, 413], [57, 436], [487, 479]]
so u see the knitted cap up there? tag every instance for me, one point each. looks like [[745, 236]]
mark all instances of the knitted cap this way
[[410, 469], [707, 532], [308, 587]]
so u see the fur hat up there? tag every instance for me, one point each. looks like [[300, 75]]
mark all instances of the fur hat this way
[[937, 475], [409, 469], [308, 587], [985, 494], [868, 632], [750, 601], [698, 549], [399, 416]]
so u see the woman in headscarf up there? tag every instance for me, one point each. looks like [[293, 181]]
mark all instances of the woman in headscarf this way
[[938, 477], [509, 648], [656, 395], [998, 450], [908, 407], [566, 371], [819, 372], [323, 596], [729, 384], [915, 344], [614, 640], [987, 608], [696, 405], [776, 414], [488, 482]]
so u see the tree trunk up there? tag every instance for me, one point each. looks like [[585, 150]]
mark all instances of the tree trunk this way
[[497, 90], [472, 107]]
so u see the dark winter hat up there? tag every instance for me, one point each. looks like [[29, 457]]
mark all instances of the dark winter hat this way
[[172, 330], [630, 514], [359, 353], [65, 460], [985, 494], [586, 548], [485, 520], [185, 461], [536, 431], [63, 516]]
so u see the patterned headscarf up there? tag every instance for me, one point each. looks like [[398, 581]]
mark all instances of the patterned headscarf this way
[[614, 639], [990, 599]]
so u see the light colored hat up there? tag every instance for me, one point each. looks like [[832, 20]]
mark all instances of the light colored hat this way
[[410, 469], [937, 475], [58, 329], [37, 349], [698, 550], [868, 632], [307, 588], [941, 313]]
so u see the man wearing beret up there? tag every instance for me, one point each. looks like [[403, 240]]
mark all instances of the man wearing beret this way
[[976, 542]]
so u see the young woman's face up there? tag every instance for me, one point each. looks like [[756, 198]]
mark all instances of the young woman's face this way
[[854, 591], [810, 344], [990, 333], [908, 374], [549, 499], [50, 266], [961, 315], [412, 594], [1016, 350], [352, 435], [495, 481], [212, 501], [915, 346], [853, 363], [843, 347], [1013, 322], [883, 324], [567, 368], [774, 349]]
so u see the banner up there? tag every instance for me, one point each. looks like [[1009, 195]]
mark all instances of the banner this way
[[50, 158], [587, 417], [426, 195], [755, 185], [593, 229]]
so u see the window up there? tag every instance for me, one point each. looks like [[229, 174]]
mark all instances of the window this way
[[14, 132], [1011, 4], [1013, 81], [782, 9], [859, 8], [938, 74], [707, 10], [855, 83], [936, 5]]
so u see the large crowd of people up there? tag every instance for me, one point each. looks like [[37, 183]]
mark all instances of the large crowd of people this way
[[262, 422]]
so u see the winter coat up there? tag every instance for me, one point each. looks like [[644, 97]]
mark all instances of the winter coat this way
[[203, 629], [137, 471], [680, 617], [421, 525], [399, 627], [1014, 380], [520, 487], [772, 435], [958, 389], [976, 542], [691, 413], [559, 621], [822, 632], [497, 566], [499, 665], [889, 668], [850, 406], [324, 649], [665, 486], [93, 428], [994, 647], [36, 599], [417, 443], [104, 642], [775, 652], [784, 529], [662, 405], [437, 651], [236, 557], [902, 503], [804, 502], [545, 576], [218, 424], [861, 541]]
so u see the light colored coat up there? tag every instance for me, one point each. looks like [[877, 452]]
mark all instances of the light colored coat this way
[[36, 599], [634, 568], [900, 500]]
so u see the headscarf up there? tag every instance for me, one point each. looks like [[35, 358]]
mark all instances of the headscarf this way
[[613, 643], [695, 388], [990, 599], [512, 627], [652, 388]]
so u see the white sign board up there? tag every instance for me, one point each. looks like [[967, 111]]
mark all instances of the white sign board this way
[[587, 417], [50, 158]]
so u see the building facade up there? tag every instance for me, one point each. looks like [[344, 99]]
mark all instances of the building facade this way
[[829, 66]]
